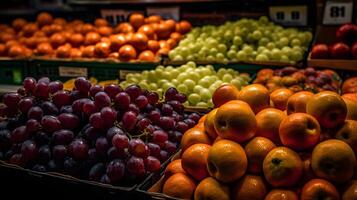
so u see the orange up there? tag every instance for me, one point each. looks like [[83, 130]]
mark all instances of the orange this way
[[173, 168], [264, 75], [350, 85], [279, 98], [226, 161], [299, 131], [351, 103], [223, 94], [256, 150], [194, 160], [333, 160], [282, 167], [209, 124], [350, 192], [348, 134], [250, 187], [236, 121], [256, 95], [192, 136], [210, 188], [268, 122], [319, 189], [179, 185], [328, 108], [282, 194], [297, 102]]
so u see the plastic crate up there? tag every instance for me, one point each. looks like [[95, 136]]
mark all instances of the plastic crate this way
[[12, 71], [64, 69]]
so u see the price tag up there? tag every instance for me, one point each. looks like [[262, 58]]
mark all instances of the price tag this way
[[289, 15], [115, 16], [72, 71], [123, 73], [338, 12], [172, 12]]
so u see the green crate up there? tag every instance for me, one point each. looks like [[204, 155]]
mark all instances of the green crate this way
[[101, 70], [12, 72]]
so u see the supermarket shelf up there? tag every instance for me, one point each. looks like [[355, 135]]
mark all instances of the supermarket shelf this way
[[7, 88], [108, 2]]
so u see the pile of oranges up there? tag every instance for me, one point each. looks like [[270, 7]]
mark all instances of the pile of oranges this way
[[255, 145], [141, 38]]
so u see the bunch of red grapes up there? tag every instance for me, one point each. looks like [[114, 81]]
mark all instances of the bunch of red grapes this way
[[112, 135]]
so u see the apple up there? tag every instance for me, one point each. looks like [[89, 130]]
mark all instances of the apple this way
[[347, 33], [340, 51], [354, 50], [319, 51]]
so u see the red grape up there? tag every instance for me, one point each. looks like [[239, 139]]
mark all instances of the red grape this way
[[122, 100], [29, 150], [92, 133], [55, 86], [154, 149], [167, 123], [62, 136], [177, 106], [112, 90], [181, 126], [17, 159], [41, 138], [59, 152], [78, 149], [61, 98], [96, 172], [114, 153], [32, 126], [141, 101], [101, 145], [96, 120], [170, 93], [153, 97], [50, 123], [134, 108], [159, 137], [95, 89], [82, 85], [120, 141], [134, 91], [19, 134], [166, 109], [195, 117], [42, 90], [44, 154], [49, 108], [152, 164], [71, 166], [44, 80], [25, 104], [149, 108], [105, 179], [136, 166], [180, 97], [115, 170], [69, 121], [53, 166], [21, 91], [143, 124], [112, 131], [75, 94], [77, 105], [190, 122], [5, 139], [170, 147], [66, 109], [89, 107], [163, 156], [138, 148], [29, 84], [101, 100], [109, 116], [39, 168], [154, 116], [129, 120], [11, 99]]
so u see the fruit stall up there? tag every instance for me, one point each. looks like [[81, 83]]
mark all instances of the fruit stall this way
[[178, 99]]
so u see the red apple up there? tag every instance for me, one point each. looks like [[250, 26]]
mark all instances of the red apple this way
[[319, 51], [340, 51], [347, 33], [354, 50]]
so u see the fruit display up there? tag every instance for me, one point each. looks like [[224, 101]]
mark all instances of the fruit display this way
[[308, 79], [343, 46], [109, 134], [245, 40], [141, 38], [349, 85], [197, 82], [248, 148]]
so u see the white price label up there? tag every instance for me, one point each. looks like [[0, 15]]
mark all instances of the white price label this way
[[289, 15], [123, 73], [115, 16], [72, 71], [338, 12], [172, 12]]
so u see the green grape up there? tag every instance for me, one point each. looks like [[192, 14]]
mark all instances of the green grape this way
[[210, 103], [175, 82], [190, 84], [193, 75], [182, 77], [263, 41], [182, 88], [204, 83], [202, 104], [241, 56], [222, 48], [167, 85], [237, 83], [210, 58], [153, 86], [178, 58], [262, 58], [143, 84], [284, 58], [257, 35], [276, 54], [194, 98], [237, 40], [205, 94], [231, 54], [197, 88], [270, 45], [295, 42], [191, 64], [227, 78]]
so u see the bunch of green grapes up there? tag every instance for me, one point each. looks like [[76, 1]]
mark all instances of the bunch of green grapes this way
[[197, 82]]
